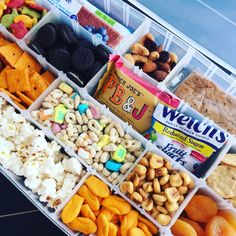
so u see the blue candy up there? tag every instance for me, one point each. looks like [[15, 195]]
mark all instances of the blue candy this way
[[105, 38], [102, 31], [113, 166], [82, 108]]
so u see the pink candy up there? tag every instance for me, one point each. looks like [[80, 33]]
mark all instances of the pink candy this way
[[95, 112], [56, 128], [19, 29], [15, 4], [63, 126]]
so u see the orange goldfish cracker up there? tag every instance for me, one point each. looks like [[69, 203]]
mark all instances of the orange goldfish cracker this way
[[199, 230], [83, 225], [152, 228], [129, 221], [201, 208], [98, 187], [136, 232], [218, 226], [144, 228], [103, 225], [228, 216], [112, 229], [87, 212], [72, 209], [117, 205], [108, 214], [89, 197]]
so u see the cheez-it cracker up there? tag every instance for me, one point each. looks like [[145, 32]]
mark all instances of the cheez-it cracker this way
[[26, 61], [10, 54], [3, 79], [48, 77]]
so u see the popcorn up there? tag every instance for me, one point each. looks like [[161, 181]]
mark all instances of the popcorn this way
[[72, 165]]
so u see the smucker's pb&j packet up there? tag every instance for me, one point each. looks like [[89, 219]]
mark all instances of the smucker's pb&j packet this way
[[129, 96]]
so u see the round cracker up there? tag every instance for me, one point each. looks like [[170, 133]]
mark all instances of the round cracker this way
[[230, 159], [223, 181]]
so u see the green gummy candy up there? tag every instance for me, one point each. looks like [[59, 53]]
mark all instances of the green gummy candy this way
[[30, 12], [8, 19]]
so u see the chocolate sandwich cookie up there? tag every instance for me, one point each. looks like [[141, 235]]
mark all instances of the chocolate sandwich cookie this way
[[93, 70], [67, 34], [102, 53], [36, 47], [61, 59], [47, 35], [76, 78], [82, 59]]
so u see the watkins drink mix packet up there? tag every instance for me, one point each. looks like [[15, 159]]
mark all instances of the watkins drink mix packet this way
[[185, 139]]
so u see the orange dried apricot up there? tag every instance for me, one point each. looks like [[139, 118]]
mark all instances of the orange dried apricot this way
[[152, 228], [112, 229], [136, 232], [201, 208], [129, 221], [228, 216], [72, 209], [103, 225], [218, 226], [83, 225], [182, 228], [87, 212], [144, 228], [199, 230]]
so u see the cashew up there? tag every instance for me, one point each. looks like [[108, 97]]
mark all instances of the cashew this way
[[147, 204], [186, 178], [139, 49], [147, 187], [159, 198], [171, 207], [176, 180], [136, 180], [143, 193], [163, 219], [163, 180], [136, 197], [172, 194], [127, 187]]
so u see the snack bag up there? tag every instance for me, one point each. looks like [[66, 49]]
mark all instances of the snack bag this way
[[185, 139], [129, 96]]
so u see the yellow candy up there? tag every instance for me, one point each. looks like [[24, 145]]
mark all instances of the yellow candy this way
[[99, 188], [104, 141], [28, 21], [72, 209], [2, 8], [66, 88]]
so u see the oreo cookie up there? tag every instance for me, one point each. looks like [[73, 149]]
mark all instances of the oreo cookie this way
[[36, 47], [61, 59], [93, 70], [102, 53], [82, 43], [47, 35], [67, 34], [76, 78], [82, 59]]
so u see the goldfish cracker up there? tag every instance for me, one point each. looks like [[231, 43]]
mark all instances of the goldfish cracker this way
[[108, 214], [129, 221], [144, 228], [103, 225], [152, 228], [87, 212], [112, 229], [99, 188], [28, 21], [136, 232], [89, 197], [83, 225], [72, 209], [117, 205]]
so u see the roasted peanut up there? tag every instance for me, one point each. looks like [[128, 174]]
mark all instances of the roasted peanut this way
[[139, 49], [176, 180], [147, 187], [186, 178], [127, 187], [163, 219], [172, 194], [171, 207], [147, 204], [156, 161], [163, 180], [182, 190], [136, 197], [156, 186], [150, 174], [159, 198], [140, 170]]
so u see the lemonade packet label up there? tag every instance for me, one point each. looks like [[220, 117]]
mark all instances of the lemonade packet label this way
[[185, 139]]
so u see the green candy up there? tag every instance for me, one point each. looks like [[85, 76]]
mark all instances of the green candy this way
[[8, 19], [30, 12]]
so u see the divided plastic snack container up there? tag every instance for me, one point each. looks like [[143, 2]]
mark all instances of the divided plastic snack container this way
[[139, 25]]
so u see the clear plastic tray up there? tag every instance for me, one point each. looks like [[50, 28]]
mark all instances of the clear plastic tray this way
[[141, 23]]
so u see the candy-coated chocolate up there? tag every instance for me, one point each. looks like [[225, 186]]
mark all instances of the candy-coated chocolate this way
[[119, 154], [113, 166]]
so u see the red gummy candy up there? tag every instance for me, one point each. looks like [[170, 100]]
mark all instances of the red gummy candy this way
[[36, 7], [15, 4], [19, 29]]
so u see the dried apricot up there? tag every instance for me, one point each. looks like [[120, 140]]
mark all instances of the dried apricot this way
[[87, 212], [83, 225], [228, 216], [182, 228], [199, 230], [201, 208], [218, 226], [152, 228]]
